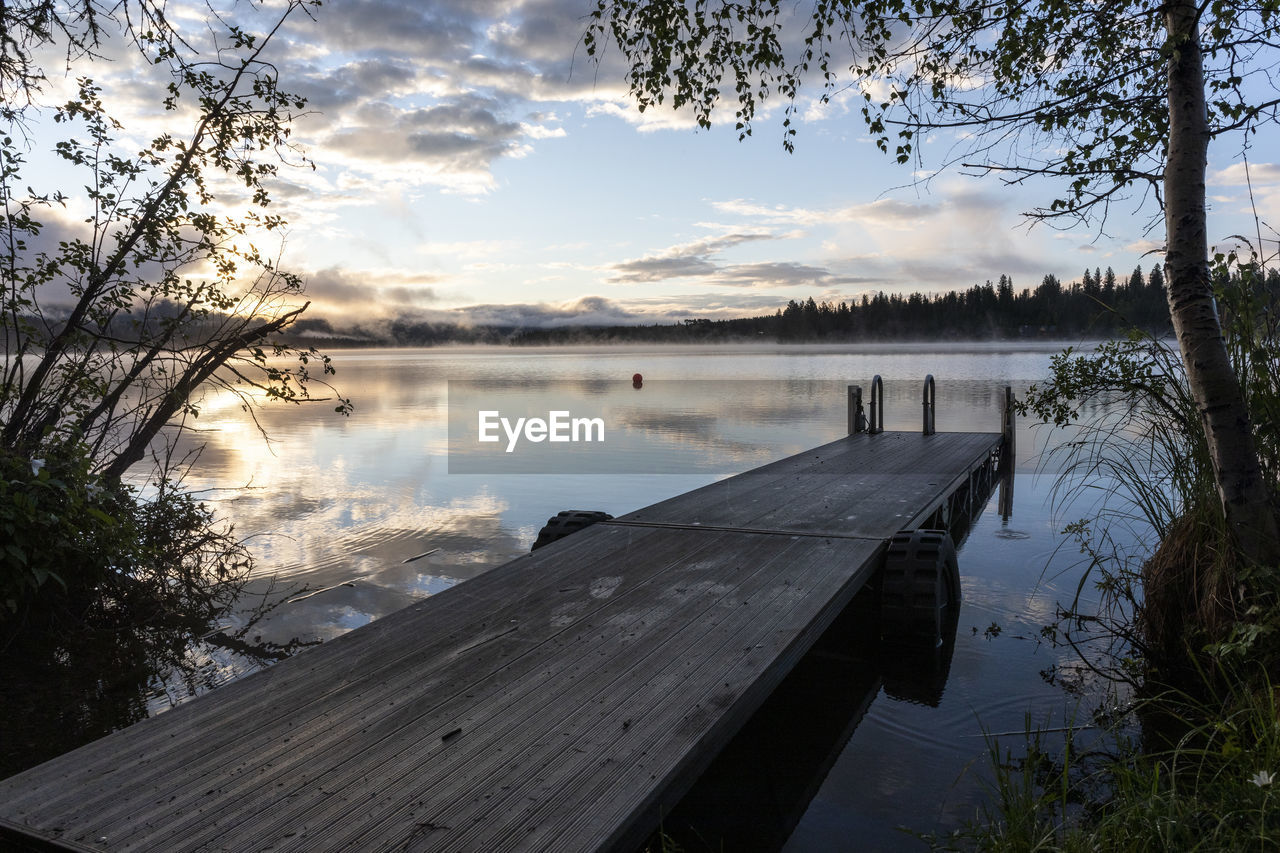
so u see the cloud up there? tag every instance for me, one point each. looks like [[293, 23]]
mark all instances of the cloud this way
[[883, 212], [834, 105], [360, 81], [1260, 174], [338, 289], [444, 30], [647, 121], [696, 260], [463, 137], [780, 274], [435, 94], [904, 244], [909, 244], [1269, 210], [1145, 247], [687, 260], [964, 270], [718, 304], [545, 32], [604, 311], [587, 311]]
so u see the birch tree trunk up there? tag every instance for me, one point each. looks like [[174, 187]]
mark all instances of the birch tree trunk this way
[[1237, 473]]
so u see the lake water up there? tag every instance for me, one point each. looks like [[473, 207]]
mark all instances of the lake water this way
[[341, 505]]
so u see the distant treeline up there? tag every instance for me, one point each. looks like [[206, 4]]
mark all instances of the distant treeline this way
[[1099, 305]]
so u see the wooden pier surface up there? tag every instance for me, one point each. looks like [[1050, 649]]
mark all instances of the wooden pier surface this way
[[558, 702]]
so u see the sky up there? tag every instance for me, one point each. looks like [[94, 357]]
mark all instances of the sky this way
[[474, 165]]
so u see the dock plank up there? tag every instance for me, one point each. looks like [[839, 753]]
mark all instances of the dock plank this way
[[418, 657], [558, 701], [497, 711], [861, 485]]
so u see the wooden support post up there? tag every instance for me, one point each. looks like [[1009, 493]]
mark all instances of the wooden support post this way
[[857, 417], [1008, 432], [1008, 425], [1006, 491]]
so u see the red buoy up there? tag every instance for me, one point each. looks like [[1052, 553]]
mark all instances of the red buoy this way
[[637, 380]]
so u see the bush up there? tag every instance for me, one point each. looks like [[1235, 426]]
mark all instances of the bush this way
[[83, 555]]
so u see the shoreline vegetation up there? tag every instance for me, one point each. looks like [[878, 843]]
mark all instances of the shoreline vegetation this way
[[1183, 751]]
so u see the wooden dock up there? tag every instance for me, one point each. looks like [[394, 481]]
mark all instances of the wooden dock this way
[[562, 701]]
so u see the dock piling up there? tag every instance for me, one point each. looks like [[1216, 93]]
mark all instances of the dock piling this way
[[1007, 424], [857, 417], [1008, 433]]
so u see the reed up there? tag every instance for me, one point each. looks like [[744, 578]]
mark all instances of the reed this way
[[1213, 787]]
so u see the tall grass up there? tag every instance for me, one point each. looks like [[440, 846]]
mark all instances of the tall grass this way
[[1215, 787], [1191, 629]]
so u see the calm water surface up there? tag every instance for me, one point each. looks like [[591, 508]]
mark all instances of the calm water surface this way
[[339, 504]]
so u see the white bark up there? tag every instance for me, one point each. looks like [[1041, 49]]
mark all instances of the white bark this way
[[1214, 386]]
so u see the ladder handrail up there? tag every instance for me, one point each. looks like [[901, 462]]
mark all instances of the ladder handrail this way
[[927, 401], [876, 424]]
